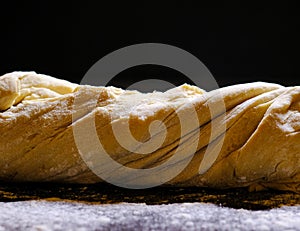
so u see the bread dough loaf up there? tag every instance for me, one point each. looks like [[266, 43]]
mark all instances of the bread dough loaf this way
[[259, 148]]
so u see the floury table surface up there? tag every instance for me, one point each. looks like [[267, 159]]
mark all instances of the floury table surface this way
[[105, 207], [45, 215]]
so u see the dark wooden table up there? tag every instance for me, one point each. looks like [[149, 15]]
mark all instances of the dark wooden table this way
[[108, 194]]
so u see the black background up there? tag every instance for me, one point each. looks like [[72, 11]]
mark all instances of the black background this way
[[237, 43]]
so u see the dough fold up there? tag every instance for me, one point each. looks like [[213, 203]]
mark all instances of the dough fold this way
[[245, 135]]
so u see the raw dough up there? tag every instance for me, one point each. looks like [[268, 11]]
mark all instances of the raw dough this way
[[260, 148]]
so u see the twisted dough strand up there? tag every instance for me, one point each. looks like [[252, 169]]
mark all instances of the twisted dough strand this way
[[260, 147]]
